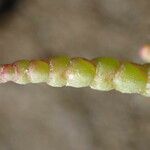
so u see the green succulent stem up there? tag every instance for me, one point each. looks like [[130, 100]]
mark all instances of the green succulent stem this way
[[100, 73]]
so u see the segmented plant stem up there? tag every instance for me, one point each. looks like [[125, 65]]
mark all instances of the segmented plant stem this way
[[101, 73]]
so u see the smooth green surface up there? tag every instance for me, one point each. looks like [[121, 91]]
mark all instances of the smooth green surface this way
[[21, 71], [130, 78], [80, 73], [147, 89], [58, 66], [105, 71], [38, 71]]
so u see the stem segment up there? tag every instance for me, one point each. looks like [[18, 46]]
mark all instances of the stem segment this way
[[101, 74]]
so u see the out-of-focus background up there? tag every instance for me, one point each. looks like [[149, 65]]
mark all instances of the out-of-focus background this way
[[40, 117]]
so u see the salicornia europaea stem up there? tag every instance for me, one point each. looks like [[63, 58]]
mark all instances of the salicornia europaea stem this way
[[101, 73]]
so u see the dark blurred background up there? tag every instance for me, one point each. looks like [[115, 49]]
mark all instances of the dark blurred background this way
[[40, 117]]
